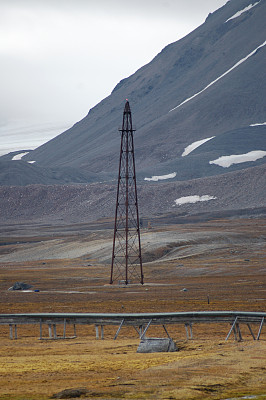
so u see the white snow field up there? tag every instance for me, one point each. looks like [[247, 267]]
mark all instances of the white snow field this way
[[19, 156], [236, 15], [194, 145], [258, 124], [158, 178], [227, 161], [220, 77], [193, 199]]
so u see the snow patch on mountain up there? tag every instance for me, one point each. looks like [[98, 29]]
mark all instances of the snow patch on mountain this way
[[236, 15], [193, 199], [194, 145], [158, 178], [220, 77], [227, 161], [258, 124], [20, 155]]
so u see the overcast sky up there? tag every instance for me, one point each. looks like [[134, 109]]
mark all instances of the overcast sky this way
[[59, 58]]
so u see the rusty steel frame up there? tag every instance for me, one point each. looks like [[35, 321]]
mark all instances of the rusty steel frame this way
[[126, 255]]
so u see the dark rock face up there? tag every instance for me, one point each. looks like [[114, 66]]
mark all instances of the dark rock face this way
[[156, 345]]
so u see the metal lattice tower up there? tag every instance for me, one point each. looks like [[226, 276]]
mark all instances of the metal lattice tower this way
[[126, 257]]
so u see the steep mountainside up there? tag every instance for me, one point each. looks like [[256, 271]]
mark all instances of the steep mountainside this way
[[199, 110], [210, 83]]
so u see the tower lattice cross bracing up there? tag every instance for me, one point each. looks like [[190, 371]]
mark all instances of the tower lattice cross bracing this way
[[126, 257]]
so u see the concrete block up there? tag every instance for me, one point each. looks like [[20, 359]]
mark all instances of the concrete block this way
[[156, 345]]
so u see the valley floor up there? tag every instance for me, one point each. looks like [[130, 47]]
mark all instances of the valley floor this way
[[220, 263]]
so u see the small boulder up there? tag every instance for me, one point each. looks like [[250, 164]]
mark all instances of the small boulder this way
[[20, 286]]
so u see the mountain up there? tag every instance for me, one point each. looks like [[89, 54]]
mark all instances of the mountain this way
[[199, 111], [21, 173], [220, 67]]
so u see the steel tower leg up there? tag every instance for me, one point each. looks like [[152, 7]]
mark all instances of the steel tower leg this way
[[126, 256]]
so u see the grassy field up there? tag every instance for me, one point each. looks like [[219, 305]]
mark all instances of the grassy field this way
[[231, 273]]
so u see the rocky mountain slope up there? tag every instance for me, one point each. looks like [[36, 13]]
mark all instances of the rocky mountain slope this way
[[209, 84], [199, 110], [233, 194]]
